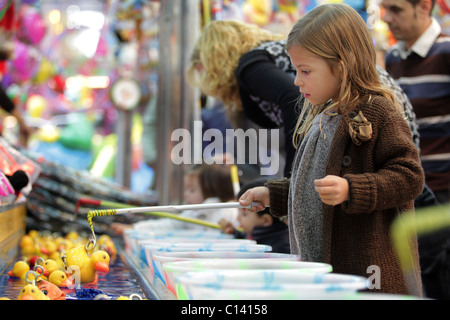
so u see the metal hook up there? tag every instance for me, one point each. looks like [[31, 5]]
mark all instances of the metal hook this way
[[135, 295], [63, 258], [39, 264], [39, 261], [33, 282], [38, 267], [93, 241]]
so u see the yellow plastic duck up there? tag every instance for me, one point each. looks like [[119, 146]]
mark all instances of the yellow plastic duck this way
[[31, 292], [134, 296], [60, 279], [88, 265], [57, 257], [107, 244], [72, 235], [47, 247], [49, 267], [19, 270], [64, 244], [27, 246]]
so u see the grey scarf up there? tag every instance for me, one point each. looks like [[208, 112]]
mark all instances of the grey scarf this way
[[304, 204]]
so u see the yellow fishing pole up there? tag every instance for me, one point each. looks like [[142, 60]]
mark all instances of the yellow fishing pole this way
[[165, 212]]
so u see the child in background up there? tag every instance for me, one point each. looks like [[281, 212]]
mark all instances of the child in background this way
[[356, 168], [260, 226], [202, 184]]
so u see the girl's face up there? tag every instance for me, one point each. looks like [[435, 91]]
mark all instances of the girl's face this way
[[248, 220], [314, 76], [192, 191]]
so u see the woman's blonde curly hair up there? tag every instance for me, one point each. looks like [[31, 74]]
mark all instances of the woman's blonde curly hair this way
[[217, 53]]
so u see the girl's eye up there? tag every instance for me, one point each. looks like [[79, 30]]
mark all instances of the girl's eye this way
[[305, 71]]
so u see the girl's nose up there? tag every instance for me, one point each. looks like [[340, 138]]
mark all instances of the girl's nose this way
[[298, 82]]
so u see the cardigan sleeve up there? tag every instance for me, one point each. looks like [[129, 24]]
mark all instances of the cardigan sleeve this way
[[390, 174], [278, 193]]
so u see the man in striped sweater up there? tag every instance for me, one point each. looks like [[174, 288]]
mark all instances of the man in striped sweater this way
[[420, 63]]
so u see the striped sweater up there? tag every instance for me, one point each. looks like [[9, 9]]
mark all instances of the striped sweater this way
[[423, 73]]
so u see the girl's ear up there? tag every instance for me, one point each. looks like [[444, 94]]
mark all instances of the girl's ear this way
[[266, 220], [339, 69]]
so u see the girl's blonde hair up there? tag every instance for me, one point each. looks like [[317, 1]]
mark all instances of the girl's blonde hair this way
[[338, 34], [217, 52]]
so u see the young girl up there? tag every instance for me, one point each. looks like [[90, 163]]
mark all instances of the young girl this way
[[202, 184], [260, 226], [356, 167]]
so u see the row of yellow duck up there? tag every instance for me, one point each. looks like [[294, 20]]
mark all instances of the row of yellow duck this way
[[48, 245], [58, 262]]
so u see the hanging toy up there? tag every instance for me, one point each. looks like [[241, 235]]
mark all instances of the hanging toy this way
[[258, 12], [84, 267], [445, 5]]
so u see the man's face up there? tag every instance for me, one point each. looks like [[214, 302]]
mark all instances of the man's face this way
[[404, 20]]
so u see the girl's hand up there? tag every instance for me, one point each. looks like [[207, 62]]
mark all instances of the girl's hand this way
[[119, 228], [257, 194], [226, 226], [333, 190]]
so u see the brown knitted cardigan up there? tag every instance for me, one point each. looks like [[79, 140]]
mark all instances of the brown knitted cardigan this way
[[385, 176]]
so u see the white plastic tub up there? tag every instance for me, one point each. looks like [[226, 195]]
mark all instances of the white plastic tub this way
[[166, 257], [186, 242], [208, 246], [265, 266], [132, 236], [271, 284]]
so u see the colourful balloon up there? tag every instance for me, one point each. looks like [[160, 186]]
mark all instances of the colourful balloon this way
[[45, 71], [49, 133], [77, 134], [104, 164], [32, 27], [57, 83], [24, 63], [36, 105]]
